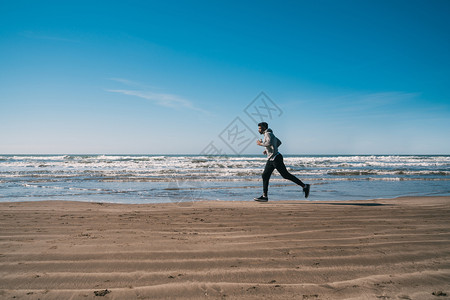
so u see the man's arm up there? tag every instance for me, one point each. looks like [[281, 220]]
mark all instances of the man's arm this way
[[267, 140]]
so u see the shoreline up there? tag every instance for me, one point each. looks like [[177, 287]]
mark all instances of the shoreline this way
[[190, 203], [382, 248]]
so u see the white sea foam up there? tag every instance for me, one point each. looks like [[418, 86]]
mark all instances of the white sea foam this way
[[131, 176]]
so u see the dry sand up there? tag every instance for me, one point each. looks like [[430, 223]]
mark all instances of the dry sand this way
[[380, 249]]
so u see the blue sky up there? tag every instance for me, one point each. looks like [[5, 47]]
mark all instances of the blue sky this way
[[167, 77]]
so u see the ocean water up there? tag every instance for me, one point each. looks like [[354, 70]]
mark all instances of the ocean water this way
[[187, 178]]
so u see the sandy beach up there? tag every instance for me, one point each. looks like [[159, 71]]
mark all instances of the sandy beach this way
[[378, 249]]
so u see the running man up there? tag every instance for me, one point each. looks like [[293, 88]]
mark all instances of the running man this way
[[274, 161]]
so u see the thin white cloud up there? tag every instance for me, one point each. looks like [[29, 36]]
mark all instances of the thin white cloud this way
[[38, 36], [162, 99], [125, 81], [167, 100], [132, 83]]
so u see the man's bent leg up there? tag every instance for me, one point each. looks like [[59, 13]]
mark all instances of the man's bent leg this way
[[279, 165]]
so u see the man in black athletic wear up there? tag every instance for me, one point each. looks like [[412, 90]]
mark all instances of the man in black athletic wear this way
[[274, 161]]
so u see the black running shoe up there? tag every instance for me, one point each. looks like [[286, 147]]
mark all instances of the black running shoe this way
[[306, 190], [261, 199]]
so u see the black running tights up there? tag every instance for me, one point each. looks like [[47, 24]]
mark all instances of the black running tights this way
[[278, 164]]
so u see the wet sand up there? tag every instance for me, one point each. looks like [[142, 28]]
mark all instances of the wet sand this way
[[379, 249]]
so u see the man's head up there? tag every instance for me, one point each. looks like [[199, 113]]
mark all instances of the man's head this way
[[262, 127]]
